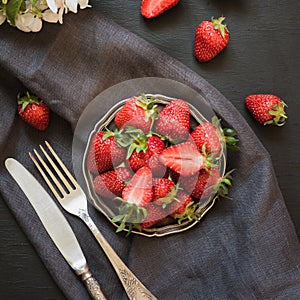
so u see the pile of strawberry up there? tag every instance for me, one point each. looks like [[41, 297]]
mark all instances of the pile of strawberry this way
[[152, 168]]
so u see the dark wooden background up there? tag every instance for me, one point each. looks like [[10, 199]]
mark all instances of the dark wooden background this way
[[263, 56]]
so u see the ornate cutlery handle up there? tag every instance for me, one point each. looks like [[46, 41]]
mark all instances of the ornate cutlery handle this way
[[134, 288], [92, 285]]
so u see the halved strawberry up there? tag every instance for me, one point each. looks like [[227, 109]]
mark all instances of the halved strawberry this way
[[174, 121], [139, 189], [153, 8], [183, 158], [138, 112], [104, 153], [111, 184], [136, 194]]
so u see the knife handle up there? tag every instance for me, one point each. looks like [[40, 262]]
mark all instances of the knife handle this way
[[92, 286]]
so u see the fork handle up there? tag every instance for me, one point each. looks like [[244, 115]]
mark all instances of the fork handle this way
[[92, 286], [132, 285]]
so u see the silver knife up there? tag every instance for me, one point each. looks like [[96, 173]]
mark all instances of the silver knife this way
[[55, 224]]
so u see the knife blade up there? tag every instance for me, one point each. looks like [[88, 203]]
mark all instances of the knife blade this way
[[55, 224]]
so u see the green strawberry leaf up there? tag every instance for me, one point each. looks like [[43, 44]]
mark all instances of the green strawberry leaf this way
[[13, 7]]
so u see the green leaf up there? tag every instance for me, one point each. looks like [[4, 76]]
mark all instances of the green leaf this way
[[13, 7]]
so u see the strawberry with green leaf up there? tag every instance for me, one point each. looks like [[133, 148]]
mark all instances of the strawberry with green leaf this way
[[34, 111], [211, 37], [267, 109], [104, 152], [208, 136], [138, 112]]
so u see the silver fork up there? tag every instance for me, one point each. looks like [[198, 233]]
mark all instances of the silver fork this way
[[73, 199]]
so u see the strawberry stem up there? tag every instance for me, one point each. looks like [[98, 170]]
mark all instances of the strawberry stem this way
[[279, 114], [219, 26], [27, 99]]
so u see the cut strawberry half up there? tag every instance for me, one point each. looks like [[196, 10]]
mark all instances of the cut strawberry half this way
[[139, 189], [184, 159]]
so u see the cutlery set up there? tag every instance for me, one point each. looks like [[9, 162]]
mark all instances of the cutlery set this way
[[72, 198]]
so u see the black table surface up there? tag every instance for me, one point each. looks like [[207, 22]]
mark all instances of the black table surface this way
[[262, 57]]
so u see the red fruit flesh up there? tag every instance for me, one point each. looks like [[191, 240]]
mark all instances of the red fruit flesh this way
[[139, 189], [183, 158], [153, 8]]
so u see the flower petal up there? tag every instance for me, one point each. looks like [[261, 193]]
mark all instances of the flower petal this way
[[52, 5], [72, 5], [36, 24], [83, 4], [50, 16]]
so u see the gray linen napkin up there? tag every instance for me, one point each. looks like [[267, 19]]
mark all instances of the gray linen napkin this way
[[246, 248]]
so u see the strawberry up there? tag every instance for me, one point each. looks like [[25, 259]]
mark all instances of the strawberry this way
[[34, 111], [104, 153], [111, 184], [155, 214], [164, 191], [135, 196], [267, 109], [174, 120], [183, 158], [205, 136], [206, 183], [208, 137], [211, 37], [197, 185], [178, 207], [139, 189], [153, 8], [146, 154], [138, 112]]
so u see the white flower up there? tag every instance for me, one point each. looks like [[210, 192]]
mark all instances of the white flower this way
[[49, 16], [43, 10], [28, 22]]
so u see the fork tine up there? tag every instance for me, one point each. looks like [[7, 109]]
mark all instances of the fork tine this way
[[67, 172], [58, 172], [46, 178]]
